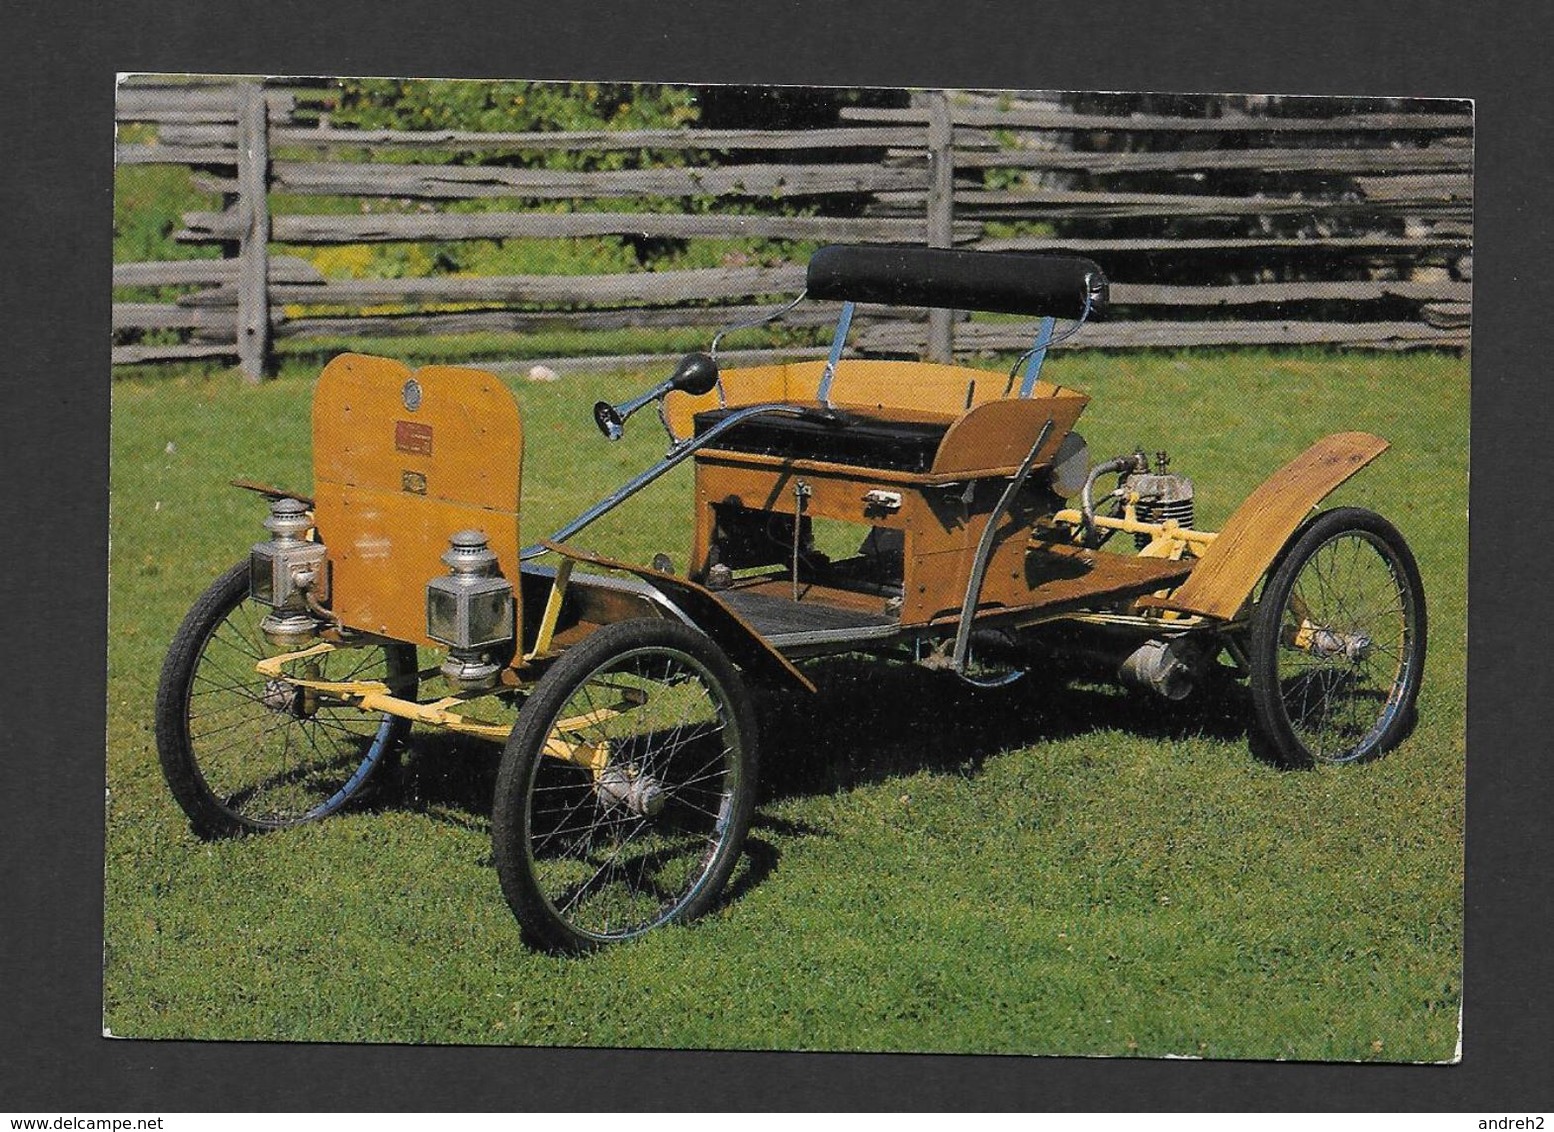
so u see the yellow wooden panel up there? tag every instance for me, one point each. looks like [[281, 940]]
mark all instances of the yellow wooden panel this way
[[903, 390], [384, 547], [1057, 575], [392, 484], [1000, 433], [891, 387], [465, 438], [1225, 576]]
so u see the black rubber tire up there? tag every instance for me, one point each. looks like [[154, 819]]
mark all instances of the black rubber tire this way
[[325, 758], [1343, 695], [537, 865]]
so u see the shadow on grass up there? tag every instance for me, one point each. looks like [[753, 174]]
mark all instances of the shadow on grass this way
[[758, 862], [449, 778], [869, 722], [872, 721]]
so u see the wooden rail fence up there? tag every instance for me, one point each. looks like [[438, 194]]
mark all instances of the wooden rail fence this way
[[1230, 228]]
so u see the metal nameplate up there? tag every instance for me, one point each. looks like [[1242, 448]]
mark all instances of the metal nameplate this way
[[413, 438]]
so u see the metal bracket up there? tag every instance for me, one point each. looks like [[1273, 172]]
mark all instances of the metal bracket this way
[[1037, 355], [552, 614], [838, 341], [985, 550], [801, 493]]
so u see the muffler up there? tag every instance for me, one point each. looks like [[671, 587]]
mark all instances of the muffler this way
[[1168, 668]]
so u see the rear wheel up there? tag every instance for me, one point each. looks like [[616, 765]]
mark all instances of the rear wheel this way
[[1338, 641], [626, 788], [242, 754]]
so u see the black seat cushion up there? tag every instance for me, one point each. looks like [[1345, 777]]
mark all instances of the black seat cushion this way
[[1033, 283], [838, 437]]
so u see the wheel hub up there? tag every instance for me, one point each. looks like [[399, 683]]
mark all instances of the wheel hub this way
[[640, 793], [1353, 647], [286, 698], [1326, 644]]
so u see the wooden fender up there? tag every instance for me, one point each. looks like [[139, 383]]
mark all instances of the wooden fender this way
[[703, 611], [1225, 576]]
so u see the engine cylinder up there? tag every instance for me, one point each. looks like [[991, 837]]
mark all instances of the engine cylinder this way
[[1162, 496]]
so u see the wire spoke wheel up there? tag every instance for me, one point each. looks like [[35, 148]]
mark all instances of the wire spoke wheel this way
[[626, 788], [1338, 641], [244, 754]]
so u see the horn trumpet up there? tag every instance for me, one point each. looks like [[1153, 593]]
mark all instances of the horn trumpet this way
[[696, 374]]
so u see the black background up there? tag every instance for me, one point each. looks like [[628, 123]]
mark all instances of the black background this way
[[54, 404]]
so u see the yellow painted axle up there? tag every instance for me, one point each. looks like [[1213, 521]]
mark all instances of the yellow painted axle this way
[[374, 695]]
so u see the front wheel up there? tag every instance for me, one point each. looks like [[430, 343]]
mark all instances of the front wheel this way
[[626, 788], [1338, 641], [242, 754]]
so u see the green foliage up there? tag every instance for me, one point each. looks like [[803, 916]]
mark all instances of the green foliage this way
[[148, 206], [1057, 868], [520, 107], [421, 104]]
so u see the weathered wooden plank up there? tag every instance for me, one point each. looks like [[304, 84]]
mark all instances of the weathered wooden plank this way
[[169, 273], [648, 287], [182, 117], [198, 134], [1448, 316], [529, 322], [129, 101], [818, 314], [134, 355], [193, 103], [458, 182], [1358, 245], [1254, 294], [1038, 118], [253, 295], [1055, 100], [1267, 333], [1443, 186], [381, 227], [845, 137], [143, 153], [172, 316], [940, 209], [974, 336], [566, 367], [172, 80], [1038, 203], [1369, 160]]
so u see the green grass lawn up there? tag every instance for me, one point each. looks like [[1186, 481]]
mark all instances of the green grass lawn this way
[[1046, 869]]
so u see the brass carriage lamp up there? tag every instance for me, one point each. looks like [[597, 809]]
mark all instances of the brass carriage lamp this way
[[470, 609]]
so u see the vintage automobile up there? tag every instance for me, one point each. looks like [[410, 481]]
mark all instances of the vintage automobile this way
[[976, 537]]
